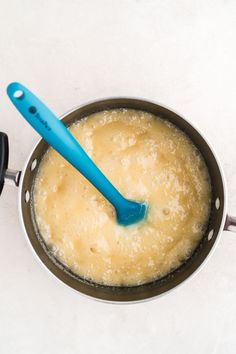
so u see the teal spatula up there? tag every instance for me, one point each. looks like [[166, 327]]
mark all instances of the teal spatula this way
[[56, 134]]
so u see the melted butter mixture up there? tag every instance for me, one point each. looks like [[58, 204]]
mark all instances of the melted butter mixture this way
[[147, 159]]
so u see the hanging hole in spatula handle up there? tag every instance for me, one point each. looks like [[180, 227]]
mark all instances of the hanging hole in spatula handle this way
[[4, 156]]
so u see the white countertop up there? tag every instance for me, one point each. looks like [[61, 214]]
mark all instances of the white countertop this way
[[180, 53]]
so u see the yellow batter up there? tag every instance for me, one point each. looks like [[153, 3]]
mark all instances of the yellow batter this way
[[147, 159]]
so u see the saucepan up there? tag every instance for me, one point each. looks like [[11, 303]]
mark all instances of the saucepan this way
[[219, 219]]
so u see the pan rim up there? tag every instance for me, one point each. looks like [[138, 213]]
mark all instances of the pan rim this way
[[210, 253]]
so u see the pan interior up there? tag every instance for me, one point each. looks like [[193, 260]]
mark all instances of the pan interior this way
[[134, 293]]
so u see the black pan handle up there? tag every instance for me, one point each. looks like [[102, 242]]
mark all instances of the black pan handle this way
[[4, 156]]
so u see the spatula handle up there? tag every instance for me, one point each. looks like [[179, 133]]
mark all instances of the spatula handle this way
[[58, 136]]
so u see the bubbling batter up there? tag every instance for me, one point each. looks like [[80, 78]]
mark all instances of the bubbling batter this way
[[147, 159]]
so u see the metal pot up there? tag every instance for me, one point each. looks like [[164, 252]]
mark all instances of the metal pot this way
[[25, 180]]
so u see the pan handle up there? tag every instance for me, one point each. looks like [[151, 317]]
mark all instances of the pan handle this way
[[4, 156], [5, 172], [230, 223]]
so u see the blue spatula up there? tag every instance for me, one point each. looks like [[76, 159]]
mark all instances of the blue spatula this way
[[58, 136]]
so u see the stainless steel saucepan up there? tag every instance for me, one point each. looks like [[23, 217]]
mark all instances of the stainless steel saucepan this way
[[219, 219]]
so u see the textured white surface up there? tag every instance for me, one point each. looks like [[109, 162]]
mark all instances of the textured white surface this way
[[180, 53]]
